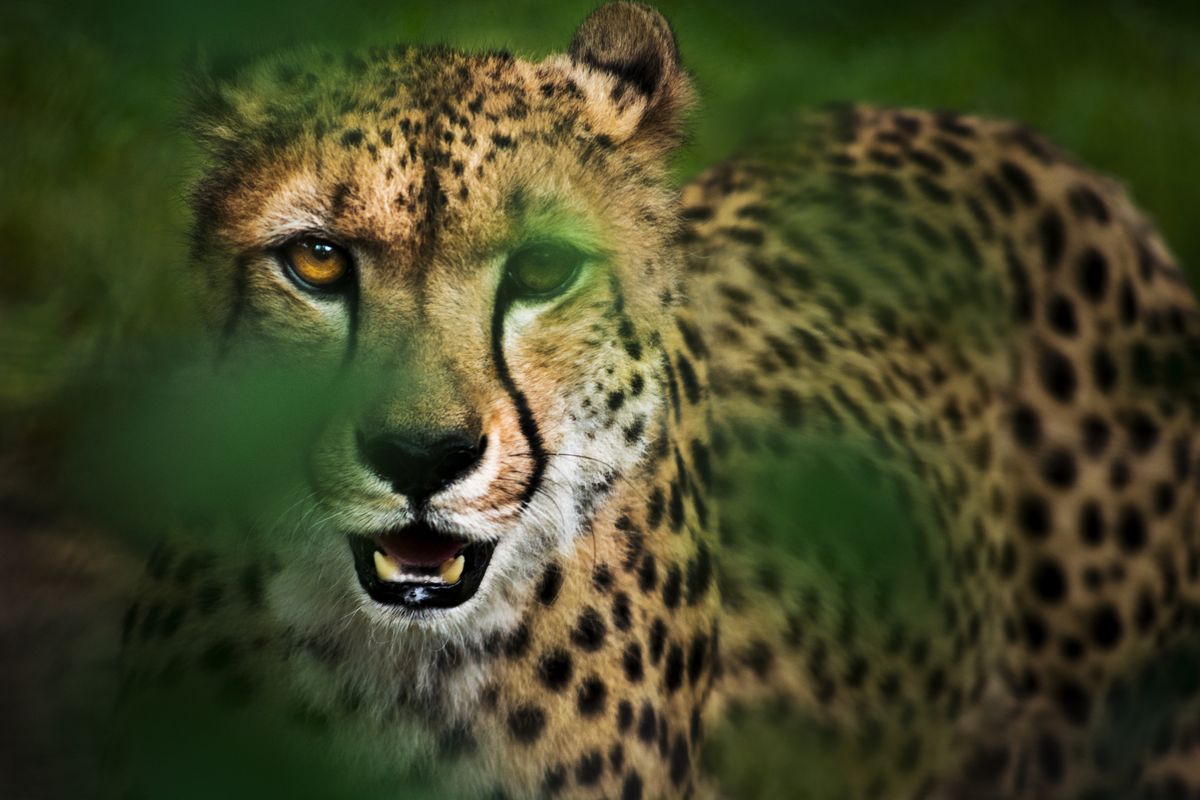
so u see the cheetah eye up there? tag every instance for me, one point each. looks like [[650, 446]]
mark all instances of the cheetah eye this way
[[315, 264], [539, 271]]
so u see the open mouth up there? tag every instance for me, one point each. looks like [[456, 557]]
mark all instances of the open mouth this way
[[418, 567]]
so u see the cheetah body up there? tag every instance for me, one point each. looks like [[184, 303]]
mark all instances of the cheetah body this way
[[993, 331]]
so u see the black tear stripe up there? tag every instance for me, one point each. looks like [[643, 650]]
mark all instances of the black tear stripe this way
[[240, 287], [529, 428]]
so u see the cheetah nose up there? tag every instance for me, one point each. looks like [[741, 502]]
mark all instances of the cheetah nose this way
[[419, 466]]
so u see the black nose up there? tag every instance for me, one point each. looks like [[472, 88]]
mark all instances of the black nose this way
[[421, 465]]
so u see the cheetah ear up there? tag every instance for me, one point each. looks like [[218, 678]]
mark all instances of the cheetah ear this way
[[632, 49]]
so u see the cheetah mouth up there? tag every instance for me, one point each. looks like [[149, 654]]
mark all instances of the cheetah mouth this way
[[419, 568]]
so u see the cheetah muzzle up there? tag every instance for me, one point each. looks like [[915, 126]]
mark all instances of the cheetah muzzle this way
[[418, 567]]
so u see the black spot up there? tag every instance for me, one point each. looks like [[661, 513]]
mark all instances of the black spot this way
[[1060, 314], [1093, 275], [1058, 468], [631, 661], [648, 574], [1143, 432], [552, 580], [616, 757], [631, 789], [1118, 475], [692, 338], [760, 658], [602, 578], [352, 138], [655, 507], [1106, 627], [1145, 613], [933, 190], [998, 195], [1048, 582], [1022, 288], [1091, 524], [517, 643], [554, 780], [589, 631], [954, 150], [1053, 238], [1087, 204], [647, 724], [554, 670], [1020, 182], [1057, 374], [590, 768], [658, 635], [672, 588], [1128, 303], [928, 161], [1033, 516], [592, 696], [680, 760], [1164, 499], [526, 722], [1027, 427], [1131, 529], [749, 236], [503, 142], [1096, 434], [675, 508], [1035, 631], [621, 613], [790, 408], [691, 384], [624, 715], [1104, 370], [699, 575], [951, 123], [673, 671]]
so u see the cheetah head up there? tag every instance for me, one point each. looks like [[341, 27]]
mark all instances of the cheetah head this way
[[486, 245]]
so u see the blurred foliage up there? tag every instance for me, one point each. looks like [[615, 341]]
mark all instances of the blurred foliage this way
[[182, 745]]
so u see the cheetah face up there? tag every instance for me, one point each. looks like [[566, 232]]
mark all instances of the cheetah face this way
[[482, 247]]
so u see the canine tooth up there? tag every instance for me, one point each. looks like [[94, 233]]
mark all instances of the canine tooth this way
[[384, 568], [452, 570]]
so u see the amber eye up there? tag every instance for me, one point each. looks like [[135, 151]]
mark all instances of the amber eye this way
[[543, 270], [316, 263]]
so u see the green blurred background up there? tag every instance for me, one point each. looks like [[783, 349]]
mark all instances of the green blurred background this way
[[95, 169]]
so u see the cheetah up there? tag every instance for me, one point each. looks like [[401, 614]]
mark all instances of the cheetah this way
[[534, 554]]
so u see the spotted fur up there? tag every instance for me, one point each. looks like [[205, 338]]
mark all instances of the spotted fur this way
[[995, 334]]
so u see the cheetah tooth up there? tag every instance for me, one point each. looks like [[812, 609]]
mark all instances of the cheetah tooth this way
[[452, 569], [385, 569]]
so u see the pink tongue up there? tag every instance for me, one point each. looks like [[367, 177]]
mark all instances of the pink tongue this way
[[420, 548]]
